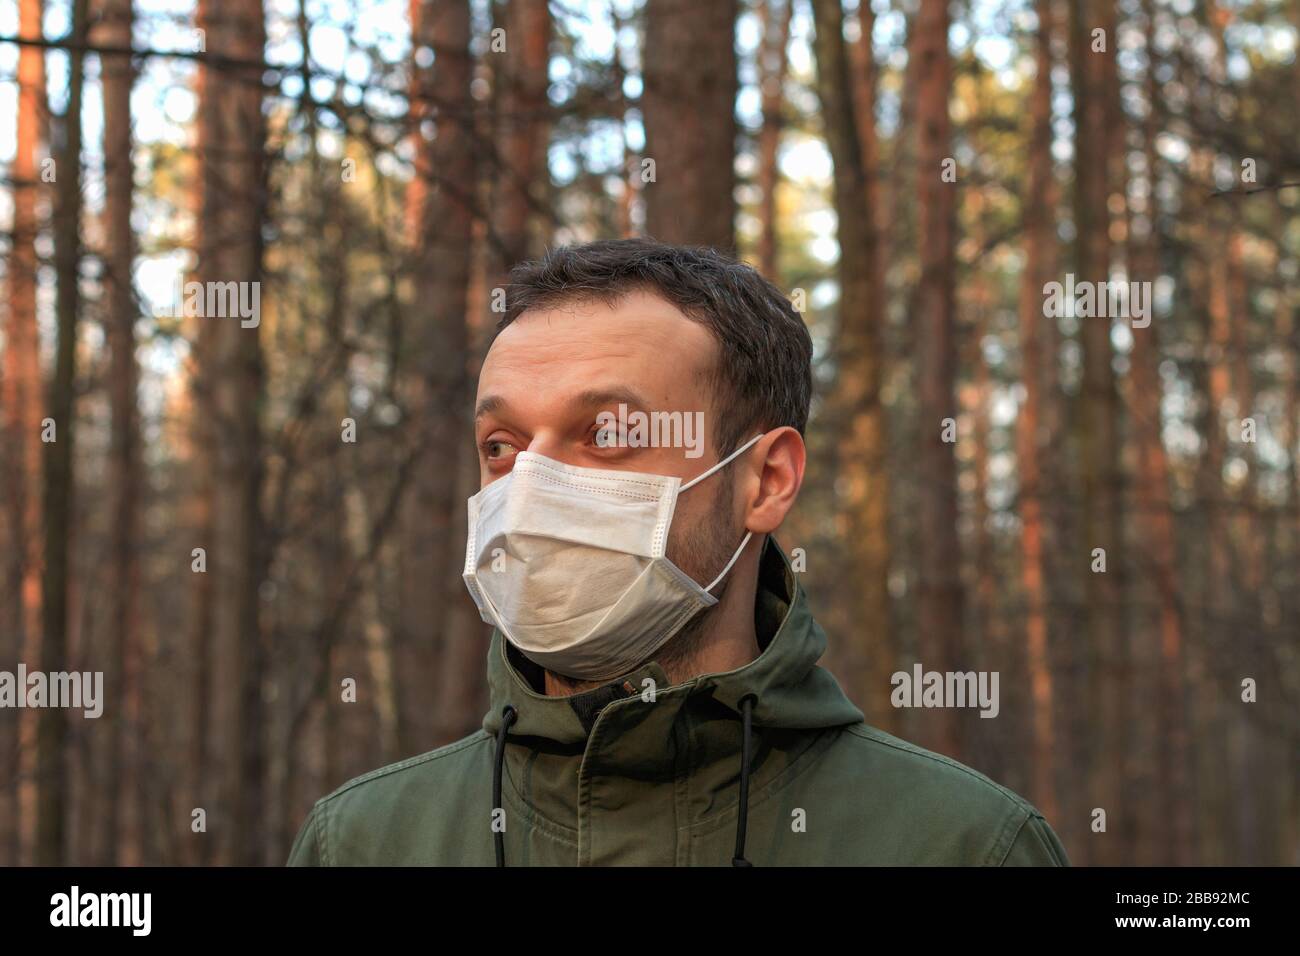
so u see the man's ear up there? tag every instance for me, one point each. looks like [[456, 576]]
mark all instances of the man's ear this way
[[775, 474]]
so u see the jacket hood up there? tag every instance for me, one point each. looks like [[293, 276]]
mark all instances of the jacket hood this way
[[790, 691]]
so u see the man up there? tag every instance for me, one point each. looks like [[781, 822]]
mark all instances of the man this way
[[655, 698]]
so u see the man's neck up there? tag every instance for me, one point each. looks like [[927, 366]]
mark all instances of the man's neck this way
[[726, 641]]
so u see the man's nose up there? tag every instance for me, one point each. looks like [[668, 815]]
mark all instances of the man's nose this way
[[549, 444]]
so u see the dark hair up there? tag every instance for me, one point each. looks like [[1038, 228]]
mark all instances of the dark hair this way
[[763, 377]]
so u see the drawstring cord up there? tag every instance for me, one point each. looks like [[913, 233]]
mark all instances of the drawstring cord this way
[[742, 813], [508, 717]]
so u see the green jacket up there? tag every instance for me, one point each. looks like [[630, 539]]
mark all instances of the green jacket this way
[[609, 777]]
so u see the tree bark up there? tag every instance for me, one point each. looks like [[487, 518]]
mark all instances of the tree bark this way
[[1154, 512], [773, 66], [439, 690], [1039, 245], [1099, 410], [120, 815], [863, 66], [523, 127], [689, 110], [52, 733], [20, 407], [230, 250], [856, 401], [940, 597]]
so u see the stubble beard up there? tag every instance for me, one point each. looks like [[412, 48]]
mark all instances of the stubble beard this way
[[702, 551]]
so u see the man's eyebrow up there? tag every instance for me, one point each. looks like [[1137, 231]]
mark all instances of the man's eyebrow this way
[[610, 396], [596, 396], [487, 405]]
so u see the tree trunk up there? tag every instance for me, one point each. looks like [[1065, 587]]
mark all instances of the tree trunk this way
[[1039, 248], [523, 126], [21, 406], [1154, 516], [232, 212], [689, 110], [114, 29], [1247, 599], [1287, 330], [865, 82], [440, 216], [984, 643], [1099, 411], [52, 734], [856, 402], [940, 597], [773, 66]]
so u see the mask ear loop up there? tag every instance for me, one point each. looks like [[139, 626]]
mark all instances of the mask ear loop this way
[[748, 534], [734, 557], [724, 463]]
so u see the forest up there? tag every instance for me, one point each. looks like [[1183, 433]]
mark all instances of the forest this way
[[251, 258]]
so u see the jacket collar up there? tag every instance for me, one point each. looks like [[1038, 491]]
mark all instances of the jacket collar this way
[[791, 691]]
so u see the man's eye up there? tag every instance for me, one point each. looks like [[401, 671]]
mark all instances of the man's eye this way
[[496, 450]]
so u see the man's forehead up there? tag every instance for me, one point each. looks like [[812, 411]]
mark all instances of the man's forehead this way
[[640, 343]]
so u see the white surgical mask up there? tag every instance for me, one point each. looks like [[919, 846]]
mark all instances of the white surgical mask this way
[[569, 564]]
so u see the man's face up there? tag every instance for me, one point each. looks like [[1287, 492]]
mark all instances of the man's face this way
[[551, 372]]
